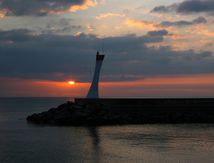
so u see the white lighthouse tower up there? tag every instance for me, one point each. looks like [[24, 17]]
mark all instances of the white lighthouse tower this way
[[94, 89]]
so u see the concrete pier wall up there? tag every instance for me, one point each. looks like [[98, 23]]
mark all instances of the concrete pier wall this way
[[153, 104]]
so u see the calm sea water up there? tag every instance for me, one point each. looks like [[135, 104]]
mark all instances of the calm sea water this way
[[22, 143]]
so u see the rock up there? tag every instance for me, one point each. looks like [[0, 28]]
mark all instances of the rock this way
[[71, 114]]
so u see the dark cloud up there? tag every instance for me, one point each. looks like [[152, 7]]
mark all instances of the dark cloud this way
[[199, 20], [195, 6], [36, 7], [158, 33], [21, 35], [188, 6], [63, 26], [24, 54], [164, 9]]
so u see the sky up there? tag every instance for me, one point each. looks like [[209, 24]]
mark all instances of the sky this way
[[153, 48]]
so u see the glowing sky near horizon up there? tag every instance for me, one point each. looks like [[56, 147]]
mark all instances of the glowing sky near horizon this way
[[154, 48]]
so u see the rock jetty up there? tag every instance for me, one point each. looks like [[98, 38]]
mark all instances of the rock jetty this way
[[139, 112], [71, 114]]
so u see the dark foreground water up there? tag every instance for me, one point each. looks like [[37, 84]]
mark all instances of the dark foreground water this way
[[22, 143]]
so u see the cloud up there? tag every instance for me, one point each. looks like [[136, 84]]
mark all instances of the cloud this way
[[149, 25], [163, 9], [3, 12], [182, 23], [188, 6], [61, 26], [196, 6], [109, 14], [43, 7], [141, 24], [158, 33], [24, 54], [84, 6]]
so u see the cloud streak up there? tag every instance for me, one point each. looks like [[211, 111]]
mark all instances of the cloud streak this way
[[147, 25], [183, 23], [108, 14]]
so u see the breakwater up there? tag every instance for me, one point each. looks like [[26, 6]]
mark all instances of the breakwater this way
[[118, 111]]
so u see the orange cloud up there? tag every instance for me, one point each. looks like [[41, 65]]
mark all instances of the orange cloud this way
[[109, 14], [141, 24], [204, 31], [3, 13], [198, 38], [73, 8], [87, 4]]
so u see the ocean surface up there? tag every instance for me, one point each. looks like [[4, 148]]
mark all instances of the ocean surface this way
[[21, 142]]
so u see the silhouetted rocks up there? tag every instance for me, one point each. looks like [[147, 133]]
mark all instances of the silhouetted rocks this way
[[75, 115], [119, 112]]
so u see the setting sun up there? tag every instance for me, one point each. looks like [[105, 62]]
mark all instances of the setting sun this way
[[71, 82]]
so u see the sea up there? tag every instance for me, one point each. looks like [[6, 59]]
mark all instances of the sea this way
[[21, 142]]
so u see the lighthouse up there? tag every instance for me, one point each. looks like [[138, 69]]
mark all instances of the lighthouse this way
[[94, 88]]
